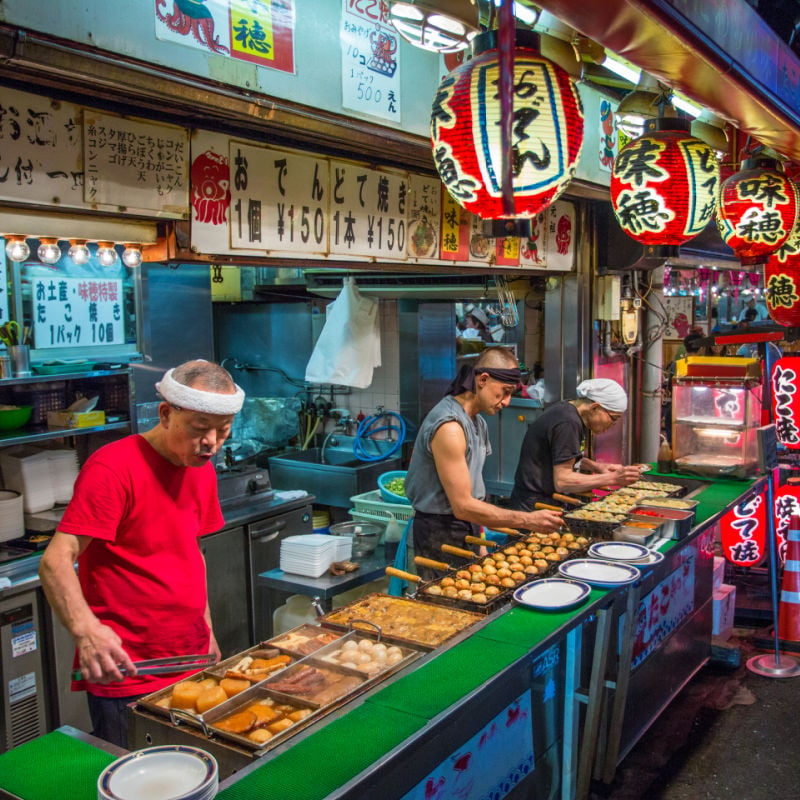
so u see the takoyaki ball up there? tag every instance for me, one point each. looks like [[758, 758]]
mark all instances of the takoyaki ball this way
[[477, 588], [507, 582], [553, 557], [490, 569], [531, 570], [541, 563], [492, 591], [492, 580], [462, 583], [548, 549], [498, 556], [505, 572], [571, 546], [434, 589], [479, 598], [562, 551], [554, 537], [503, 565], [447, 582], [450, 591], [474, 567], [582, 540], [568, 537], [517, 576], [465, 594], [513, 559], [464, 574], [526, 561]]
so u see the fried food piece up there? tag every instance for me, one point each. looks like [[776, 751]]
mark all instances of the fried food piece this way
[[280, 725], [301, 713], [232, 686], [210, 698], [241, 722], [259, 735], [185, 694], [264, 714]]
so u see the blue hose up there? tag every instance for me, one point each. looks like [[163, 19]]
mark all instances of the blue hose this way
[[366, 429]]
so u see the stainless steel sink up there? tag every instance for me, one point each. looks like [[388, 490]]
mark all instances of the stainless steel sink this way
[[341, 475]]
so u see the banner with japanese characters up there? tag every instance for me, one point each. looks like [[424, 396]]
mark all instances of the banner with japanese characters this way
[[258, 31], [135, 163], [370, 60], [72, 312]]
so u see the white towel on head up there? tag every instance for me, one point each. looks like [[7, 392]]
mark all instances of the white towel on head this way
[[609, 394]]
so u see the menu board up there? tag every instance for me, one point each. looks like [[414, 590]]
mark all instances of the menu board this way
[[70, 312], [279, 200]]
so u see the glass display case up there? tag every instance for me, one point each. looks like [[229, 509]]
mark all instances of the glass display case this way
[[716, 414]]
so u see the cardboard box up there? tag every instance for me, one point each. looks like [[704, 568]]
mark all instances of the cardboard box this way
[[724, 604], [719, 572], [75, 419]]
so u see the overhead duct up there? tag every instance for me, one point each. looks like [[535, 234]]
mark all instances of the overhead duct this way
[[381, 285]]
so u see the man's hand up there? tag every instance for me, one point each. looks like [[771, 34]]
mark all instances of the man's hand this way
[[545, 521], [625, 476], [101, 655]]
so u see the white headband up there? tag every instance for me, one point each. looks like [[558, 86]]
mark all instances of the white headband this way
[[197, 399]]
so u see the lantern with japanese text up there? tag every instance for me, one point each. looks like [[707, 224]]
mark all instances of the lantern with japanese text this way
[[466, 131], [664, 184], [743, 532], [782, 282], [785, 384], [757, 210]]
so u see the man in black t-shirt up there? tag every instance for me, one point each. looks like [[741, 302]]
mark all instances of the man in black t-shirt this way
[[551, 458]]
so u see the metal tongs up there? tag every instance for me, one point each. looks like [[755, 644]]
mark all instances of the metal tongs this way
[[161, 666]]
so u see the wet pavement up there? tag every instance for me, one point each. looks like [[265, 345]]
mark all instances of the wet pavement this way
[[729, 735]]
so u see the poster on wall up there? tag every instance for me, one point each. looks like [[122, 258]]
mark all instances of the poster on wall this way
[[71, 312], [370, 61], [144, 164], [424, 214], [258, 31], [679, 313], [608, 136]]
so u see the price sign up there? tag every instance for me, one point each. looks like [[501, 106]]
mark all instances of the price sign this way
[[279, 200], [368, 211], [77, 311]]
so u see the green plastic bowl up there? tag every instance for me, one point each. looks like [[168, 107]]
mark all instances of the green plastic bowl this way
[[13, 418], [386, 494]]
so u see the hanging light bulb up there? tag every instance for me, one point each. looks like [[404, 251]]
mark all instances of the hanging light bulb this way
[[78, 251], [443, 26], [49, 252], [132, 255], [106, 254], [17, 248]]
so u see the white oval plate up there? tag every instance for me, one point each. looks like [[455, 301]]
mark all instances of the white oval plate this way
[[654, 558], [598, 573], [552, 594], [158, 772], [619, 551]]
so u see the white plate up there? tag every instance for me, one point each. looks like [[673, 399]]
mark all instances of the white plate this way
[[598, 573], [644, 467], [619, 551], [654, 558], [552, 594], [160, 773]]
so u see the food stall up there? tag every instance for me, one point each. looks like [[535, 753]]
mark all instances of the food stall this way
[[549, 698]]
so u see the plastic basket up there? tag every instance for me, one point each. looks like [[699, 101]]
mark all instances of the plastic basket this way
[[371, 503], [391, 497]]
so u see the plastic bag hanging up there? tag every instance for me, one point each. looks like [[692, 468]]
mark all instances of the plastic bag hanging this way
[[349, 346]]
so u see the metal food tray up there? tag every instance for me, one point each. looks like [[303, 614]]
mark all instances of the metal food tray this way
[[409, 654], [593, 529], [355, 616], [217, 672], [312, 630]]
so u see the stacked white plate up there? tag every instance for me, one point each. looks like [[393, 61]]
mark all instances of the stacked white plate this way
[[27, 470], [167, 772], [309, 554], [63, 473], [12, 520]]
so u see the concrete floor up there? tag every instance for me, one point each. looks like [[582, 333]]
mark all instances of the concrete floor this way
[[729, 735]]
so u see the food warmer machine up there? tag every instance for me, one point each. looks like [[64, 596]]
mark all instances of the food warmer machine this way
[[716, 414]]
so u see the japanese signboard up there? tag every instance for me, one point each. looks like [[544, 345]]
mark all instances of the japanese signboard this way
[[661, 610], [77, 311], [370, 60], [786, 401], [279, 200], [424, 213], [133, 163], [258, 31], [679, 311], [743, 532], [368, 211]]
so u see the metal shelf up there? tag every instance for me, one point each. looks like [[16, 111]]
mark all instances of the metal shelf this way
[[66, 376], [27, 436]]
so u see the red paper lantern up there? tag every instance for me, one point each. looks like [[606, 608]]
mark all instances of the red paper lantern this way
[[664, 184], [743, 532], [785, 384], [757, 210], [547, 130]]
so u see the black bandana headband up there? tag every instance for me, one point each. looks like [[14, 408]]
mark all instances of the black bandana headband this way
[[465, 379]]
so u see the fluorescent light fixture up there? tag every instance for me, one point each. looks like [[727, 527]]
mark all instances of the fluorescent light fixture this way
[[686, 105], [442, 26], [622, 69], [524, 14]]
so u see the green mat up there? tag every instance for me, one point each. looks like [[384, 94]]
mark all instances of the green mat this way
[[329, 758], [54, 765], [718, 495], [435, 686]]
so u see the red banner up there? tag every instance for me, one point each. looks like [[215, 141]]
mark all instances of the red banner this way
[[743, 532]]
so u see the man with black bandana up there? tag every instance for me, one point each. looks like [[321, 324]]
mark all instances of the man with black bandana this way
[[445, 476]]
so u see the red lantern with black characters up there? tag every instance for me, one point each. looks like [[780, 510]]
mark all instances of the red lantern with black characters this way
[[466, 133], [782, 282], [664, 184], [757, 210]]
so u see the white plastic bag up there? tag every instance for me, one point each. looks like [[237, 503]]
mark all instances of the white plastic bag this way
[[349, 346]]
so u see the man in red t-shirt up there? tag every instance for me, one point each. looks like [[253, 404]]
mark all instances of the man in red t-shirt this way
[[139, 506]]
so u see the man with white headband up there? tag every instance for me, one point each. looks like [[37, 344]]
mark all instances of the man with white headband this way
[[139, 506], [445, 477], [551, 459]]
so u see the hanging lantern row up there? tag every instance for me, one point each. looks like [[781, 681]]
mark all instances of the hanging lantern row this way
[[547, 130]]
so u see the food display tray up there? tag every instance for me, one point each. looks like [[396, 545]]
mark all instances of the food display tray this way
[[593, 529], [401, 620]]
